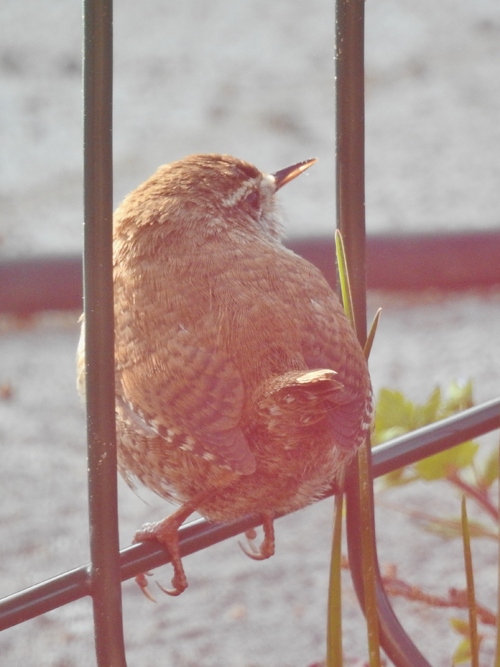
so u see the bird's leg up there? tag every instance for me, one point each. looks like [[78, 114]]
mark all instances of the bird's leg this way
[[166, 533], [266, 549]]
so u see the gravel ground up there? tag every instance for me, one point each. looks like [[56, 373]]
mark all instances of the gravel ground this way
[[254, 79]]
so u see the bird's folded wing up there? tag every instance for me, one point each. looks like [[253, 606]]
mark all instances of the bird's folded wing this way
[[192, 396]]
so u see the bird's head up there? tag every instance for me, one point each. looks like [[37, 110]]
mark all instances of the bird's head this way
[[203, 197]]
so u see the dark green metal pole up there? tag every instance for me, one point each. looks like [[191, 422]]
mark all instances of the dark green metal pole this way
[[350, 115], [104, 573], [350, 132]]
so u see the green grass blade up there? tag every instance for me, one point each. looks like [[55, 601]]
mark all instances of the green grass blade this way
[[497, 648], [334, 619], [371, 334], [345, 287], [368, 557], [471, 597], [366, 503]]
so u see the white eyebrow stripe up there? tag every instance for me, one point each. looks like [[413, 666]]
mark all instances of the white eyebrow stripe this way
[[239, 194]]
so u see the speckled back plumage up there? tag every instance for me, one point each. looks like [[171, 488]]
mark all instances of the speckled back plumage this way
[[218, 326]]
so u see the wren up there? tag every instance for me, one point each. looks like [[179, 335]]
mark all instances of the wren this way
[[240, 385]]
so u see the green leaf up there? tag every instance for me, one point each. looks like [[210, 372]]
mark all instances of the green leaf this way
[[399, 477], [458, 397], [394, 411], [429, 411], [462, 652], [464, 454], [390, 433], [490, 471], [460, 626], [439, 465]]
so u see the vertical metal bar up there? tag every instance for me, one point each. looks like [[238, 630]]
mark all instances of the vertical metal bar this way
[[350, 131], [350, 109], [104, 573]]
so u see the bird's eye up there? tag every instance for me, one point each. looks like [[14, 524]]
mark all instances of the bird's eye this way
[[253, 199]]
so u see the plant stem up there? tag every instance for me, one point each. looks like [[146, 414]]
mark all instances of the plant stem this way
[[475, 493], [471, 597]]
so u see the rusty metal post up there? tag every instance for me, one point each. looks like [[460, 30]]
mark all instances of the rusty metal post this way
[[104, 572], [350, 118]]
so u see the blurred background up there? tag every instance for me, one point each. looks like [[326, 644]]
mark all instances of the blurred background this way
[[254, 79]]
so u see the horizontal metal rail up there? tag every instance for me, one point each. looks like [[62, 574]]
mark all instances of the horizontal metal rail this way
[[197, 535]]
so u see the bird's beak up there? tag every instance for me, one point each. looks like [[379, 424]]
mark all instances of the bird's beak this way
[[284, 176]]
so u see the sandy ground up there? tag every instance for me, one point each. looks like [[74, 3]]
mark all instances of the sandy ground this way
[[254, 79]]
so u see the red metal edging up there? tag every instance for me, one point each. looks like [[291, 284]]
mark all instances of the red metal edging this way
[[414, 262]]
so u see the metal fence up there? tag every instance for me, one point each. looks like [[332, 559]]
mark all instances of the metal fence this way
[[102, 578]]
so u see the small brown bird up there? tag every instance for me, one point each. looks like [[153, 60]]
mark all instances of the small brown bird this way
[[240, 385]]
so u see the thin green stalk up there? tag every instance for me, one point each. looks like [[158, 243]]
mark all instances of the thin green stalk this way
[[367, 535], [477, 494], [471, 597], [371, 334], [368, 556], [497, 648], [345, 286], [366, 501], [334, 656]]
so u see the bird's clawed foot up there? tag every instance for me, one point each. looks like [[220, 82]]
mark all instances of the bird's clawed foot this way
[[266, 549], [166, 533], [142, 582]]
